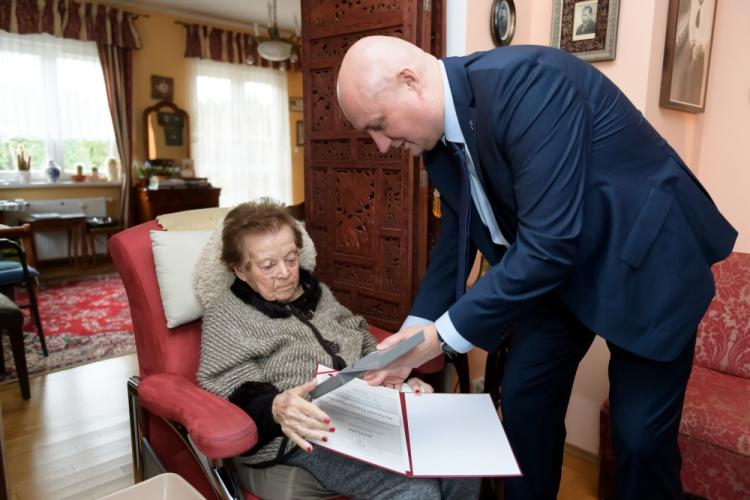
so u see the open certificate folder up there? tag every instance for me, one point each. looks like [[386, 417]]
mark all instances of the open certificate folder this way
[[417, 435]]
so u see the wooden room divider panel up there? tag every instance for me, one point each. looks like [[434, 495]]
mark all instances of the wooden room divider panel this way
[[366, 211]]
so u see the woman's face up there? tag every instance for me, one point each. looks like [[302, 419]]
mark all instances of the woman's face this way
[[271, 264]]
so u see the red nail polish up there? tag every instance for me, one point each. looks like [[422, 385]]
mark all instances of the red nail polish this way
[[309, 449], [325, 439], [417, 391], [332, 429], [327, 420]]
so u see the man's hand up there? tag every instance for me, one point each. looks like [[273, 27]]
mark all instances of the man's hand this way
[[300, 419], [397, 371]]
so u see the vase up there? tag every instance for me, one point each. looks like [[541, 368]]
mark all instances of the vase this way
[[53, 171], [24, 177], [113, 170]]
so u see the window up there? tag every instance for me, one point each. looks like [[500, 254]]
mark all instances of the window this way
[[54, 102], [240, 127]]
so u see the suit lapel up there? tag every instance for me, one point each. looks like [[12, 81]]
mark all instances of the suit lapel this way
[[463, 100]]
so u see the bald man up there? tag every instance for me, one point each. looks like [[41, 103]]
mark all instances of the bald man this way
[[591, 222]]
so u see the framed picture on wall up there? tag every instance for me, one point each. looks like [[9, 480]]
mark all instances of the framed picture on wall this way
[[300, 133], [295, 104], [586, 28], [502, 22], [687, 52], [162, 87]]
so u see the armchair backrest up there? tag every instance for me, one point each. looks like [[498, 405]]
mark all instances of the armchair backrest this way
[[723, 342], [160, 349]]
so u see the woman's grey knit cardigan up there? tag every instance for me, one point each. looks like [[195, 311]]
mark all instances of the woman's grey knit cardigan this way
[[242, 344]]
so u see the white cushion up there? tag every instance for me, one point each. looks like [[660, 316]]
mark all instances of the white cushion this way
[[176, 254]]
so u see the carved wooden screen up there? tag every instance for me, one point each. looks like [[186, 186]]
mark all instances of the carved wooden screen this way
[[363, 209]]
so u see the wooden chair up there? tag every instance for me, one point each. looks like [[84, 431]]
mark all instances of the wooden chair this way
[[18, 271], [96, 226], [11, 321]]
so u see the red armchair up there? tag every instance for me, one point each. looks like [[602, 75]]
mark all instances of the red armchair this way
[[175, 425], [715, 427]]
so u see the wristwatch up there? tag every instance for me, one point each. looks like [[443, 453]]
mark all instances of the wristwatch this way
[[445, 347]]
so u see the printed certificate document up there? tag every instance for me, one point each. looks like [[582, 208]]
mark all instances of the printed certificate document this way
[[417, 435]]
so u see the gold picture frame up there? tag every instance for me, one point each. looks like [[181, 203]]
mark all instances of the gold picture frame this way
[[296, 105], [586, 28]]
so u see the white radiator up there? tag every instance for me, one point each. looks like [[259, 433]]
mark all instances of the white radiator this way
[[54, 245]]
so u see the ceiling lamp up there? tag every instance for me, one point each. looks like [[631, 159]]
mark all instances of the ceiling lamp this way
[[275, 48]]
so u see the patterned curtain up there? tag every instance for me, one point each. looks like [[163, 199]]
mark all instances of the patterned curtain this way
[[71, 19], [116, 37], [206, 42]]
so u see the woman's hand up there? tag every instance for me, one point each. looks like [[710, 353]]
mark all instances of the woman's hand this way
[[300, 419], [419, 386]]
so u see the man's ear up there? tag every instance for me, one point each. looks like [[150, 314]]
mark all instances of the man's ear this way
[[410, 78]]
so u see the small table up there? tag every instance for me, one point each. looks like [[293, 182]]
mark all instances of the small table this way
[[74, 224]]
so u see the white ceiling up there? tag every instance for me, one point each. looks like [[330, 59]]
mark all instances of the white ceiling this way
[[242, 12]]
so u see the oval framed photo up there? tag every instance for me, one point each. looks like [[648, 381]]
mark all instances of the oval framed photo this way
[[502, 21]]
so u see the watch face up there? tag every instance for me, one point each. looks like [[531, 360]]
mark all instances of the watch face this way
[[503, 21]]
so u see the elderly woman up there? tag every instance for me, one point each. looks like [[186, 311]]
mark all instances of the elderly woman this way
[[262, 341]]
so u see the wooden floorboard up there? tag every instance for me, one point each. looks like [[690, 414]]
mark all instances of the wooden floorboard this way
[[72, 438]]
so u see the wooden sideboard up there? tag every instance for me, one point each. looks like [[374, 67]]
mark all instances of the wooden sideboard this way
[[154, 202]]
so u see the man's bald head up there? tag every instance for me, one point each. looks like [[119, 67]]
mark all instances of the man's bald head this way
[[372, 63], [380, 79]]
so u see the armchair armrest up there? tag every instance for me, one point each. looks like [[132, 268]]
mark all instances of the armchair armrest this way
[[218, 428]]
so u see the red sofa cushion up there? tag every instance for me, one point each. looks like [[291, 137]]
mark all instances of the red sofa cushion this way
[[717, 410], [724, 333]]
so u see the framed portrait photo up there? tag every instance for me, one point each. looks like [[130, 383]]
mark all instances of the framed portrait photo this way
[[586, 28], [502, 22], [687, 52], [162, 88]]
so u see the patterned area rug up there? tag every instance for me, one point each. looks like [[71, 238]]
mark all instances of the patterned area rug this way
[[84, 321]]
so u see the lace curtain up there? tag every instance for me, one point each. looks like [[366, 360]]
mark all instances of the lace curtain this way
[[240, 130], [53, 92]]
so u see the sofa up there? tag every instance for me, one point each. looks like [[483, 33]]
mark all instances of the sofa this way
[[714, 434]]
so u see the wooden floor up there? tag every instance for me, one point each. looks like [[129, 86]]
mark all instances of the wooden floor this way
[[579, 479], [60, 270], [71, 439]]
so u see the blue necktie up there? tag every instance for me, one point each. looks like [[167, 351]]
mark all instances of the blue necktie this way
[[464, 214]]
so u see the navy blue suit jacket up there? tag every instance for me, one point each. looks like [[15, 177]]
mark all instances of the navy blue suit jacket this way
[[596, 206]]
